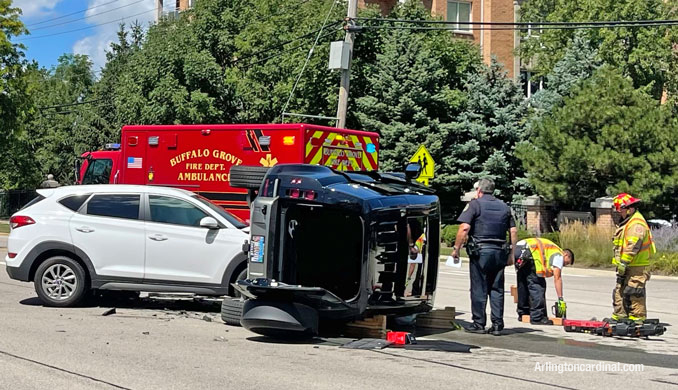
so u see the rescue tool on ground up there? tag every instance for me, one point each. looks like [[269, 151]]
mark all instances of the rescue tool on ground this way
[[620, 329]]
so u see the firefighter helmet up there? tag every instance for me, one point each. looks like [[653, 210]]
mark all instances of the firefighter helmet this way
[[623, 201]]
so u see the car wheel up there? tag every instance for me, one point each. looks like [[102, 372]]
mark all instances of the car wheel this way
[[241, 276], [60, 281], [245, 176], [231, 310]]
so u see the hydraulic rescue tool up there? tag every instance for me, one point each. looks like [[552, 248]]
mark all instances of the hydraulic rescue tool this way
[[610, 328]]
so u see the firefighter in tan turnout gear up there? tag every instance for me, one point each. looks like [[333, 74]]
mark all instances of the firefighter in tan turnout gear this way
[[633, 247]]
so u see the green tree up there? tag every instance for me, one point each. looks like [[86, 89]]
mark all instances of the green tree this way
[[486, 133], [15, 99], [62, 129], [642, 53], [607, 137], [578, 63], [430, 88]]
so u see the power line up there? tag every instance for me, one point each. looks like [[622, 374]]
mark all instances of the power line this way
[[70, 104], [499, 26], [582, 27], [526, 24], [71, 14], [86, 17], [250, 65], [279, 45], [308, 57], [85, 28]]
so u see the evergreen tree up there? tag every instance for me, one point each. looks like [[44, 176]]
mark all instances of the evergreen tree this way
[[607, 137], [414, 93], [482, 141], [578, 63], [641, 53]]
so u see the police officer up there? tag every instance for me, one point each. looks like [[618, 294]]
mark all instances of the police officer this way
[[486, 222]]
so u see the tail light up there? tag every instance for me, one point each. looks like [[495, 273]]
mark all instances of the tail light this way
[[299, 194], [18, 221], [11, 255]]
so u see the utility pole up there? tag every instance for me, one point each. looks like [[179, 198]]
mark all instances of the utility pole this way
[[346, 73], [158, 7]]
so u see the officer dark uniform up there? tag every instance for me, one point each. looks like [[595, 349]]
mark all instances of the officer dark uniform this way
[[490, 220]]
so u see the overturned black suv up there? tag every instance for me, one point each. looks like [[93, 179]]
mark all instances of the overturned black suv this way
[[338, 246]]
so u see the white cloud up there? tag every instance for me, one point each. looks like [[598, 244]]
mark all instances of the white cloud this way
[[35, 8], [97, 41]]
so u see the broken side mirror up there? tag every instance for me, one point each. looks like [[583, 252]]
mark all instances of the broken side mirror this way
[[412, 171]]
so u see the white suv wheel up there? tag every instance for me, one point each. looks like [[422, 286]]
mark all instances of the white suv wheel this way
[[60, 281]]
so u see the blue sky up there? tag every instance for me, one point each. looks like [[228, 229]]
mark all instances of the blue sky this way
[[51, 22]]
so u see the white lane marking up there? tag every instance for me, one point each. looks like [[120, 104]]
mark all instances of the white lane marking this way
[[3, 263]]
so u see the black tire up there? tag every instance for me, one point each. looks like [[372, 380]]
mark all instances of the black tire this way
[[242, 275], [71, 273], [247, 176], [231, 310]]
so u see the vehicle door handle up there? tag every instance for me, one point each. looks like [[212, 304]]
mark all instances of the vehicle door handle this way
[[84, 229], [158, 237]]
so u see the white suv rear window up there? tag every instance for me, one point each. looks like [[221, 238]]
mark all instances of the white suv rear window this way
[[114, 205], [74, 202]]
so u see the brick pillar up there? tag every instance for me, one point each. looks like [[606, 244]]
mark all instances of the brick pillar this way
[[605, 214], [539, 214]]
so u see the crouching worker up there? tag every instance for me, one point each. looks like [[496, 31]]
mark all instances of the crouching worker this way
[[535, 260]]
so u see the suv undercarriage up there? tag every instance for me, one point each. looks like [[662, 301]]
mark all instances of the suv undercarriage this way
[[338, 246]]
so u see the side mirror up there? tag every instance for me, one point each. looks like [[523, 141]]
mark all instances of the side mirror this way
[[209, 222], [412, 171]]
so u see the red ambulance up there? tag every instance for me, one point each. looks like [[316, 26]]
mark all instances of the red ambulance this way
[[198, 157]]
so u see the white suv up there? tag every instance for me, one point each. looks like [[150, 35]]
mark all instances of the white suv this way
[[69, 240]]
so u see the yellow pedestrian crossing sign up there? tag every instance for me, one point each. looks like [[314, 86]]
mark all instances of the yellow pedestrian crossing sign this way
[[423, 158]]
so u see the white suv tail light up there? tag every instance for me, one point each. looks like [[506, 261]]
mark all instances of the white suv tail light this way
[[18, 221]]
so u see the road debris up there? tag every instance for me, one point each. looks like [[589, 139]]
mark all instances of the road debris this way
[[108, 312]]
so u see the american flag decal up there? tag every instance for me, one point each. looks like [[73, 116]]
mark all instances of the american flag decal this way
[[134, 162]]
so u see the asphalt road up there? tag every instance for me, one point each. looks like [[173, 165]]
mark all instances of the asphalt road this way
[[158, 343]]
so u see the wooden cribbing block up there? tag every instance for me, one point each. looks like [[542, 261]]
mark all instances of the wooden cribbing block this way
[[437, 319], [514, 293], [372, 327], [556, 321]]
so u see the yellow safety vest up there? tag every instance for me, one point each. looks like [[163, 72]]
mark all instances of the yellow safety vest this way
[[542, 251], [647, 247], [420, 242]]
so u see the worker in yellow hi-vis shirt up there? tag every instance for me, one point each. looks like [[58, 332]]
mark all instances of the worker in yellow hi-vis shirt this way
[[633, 247]]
